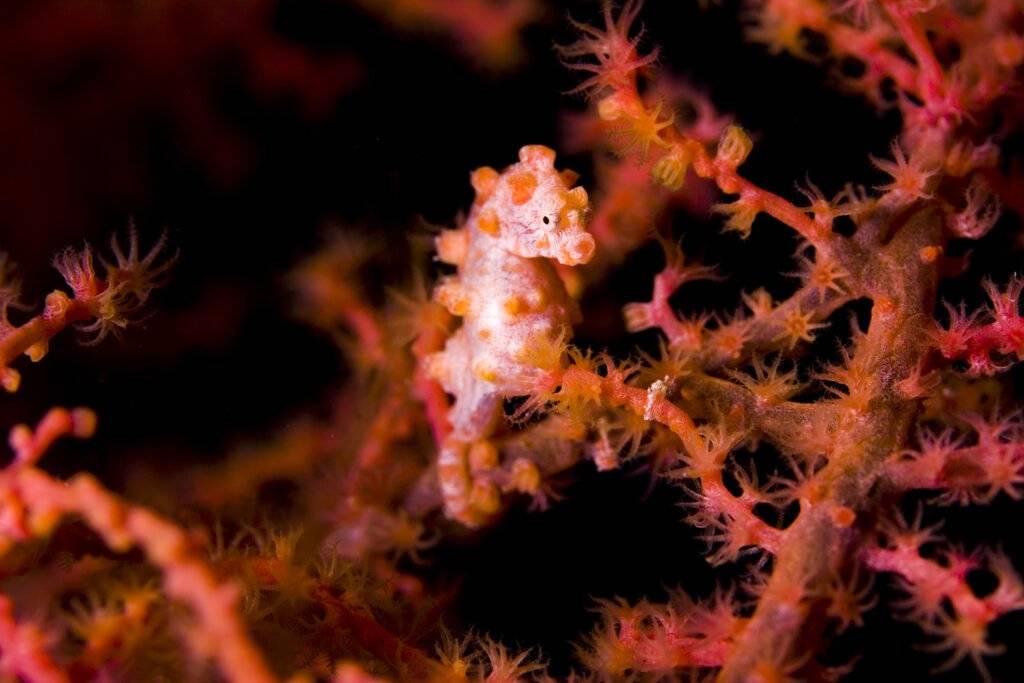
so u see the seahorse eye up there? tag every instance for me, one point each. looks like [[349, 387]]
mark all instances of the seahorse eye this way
[[546, 220]]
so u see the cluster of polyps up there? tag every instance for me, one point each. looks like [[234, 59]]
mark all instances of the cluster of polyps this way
[[515, 308]]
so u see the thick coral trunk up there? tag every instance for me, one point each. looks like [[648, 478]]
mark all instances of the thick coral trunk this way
[[902, 287]]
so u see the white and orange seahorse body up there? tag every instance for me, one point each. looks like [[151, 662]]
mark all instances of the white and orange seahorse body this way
[[513, 304]]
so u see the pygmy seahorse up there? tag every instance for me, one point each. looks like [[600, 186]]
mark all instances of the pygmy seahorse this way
[[515, 310]]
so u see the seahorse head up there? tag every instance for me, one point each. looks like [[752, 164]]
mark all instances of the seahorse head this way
[[532, 210]]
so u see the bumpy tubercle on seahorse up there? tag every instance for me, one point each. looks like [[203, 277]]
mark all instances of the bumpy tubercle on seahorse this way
[[516, 311]]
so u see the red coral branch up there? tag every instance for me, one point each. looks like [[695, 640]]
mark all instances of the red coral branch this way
[[23, 649], [34, 503]]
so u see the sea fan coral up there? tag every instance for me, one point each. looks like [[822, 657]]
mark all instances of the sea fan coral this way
[[825, 418]]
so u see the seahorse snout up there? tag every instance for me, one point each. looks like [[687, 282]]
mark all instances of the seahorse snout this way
[[578, 249]]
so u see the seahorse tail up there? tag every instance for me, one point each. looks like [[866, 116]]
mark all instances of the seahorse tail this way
[[467, 500]]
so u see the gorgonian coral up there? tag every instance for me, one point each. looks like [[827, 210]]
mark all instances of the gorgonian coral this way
[[812, 433]]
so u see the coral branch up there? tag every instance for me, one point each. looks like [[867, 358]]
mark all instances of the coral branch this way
[[705, 454], [817, 540], [769, 326], [658, 639], [617, 67], [109, 302], [370, 635], [23, 649], [1003, 334], [974, 473], [933, 87], [34, 504], [930, 584]]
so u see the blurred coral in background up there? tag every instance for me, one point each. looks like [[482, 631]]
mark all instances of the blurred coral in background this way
[[94, 93], [447, 340], [486, 31]]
